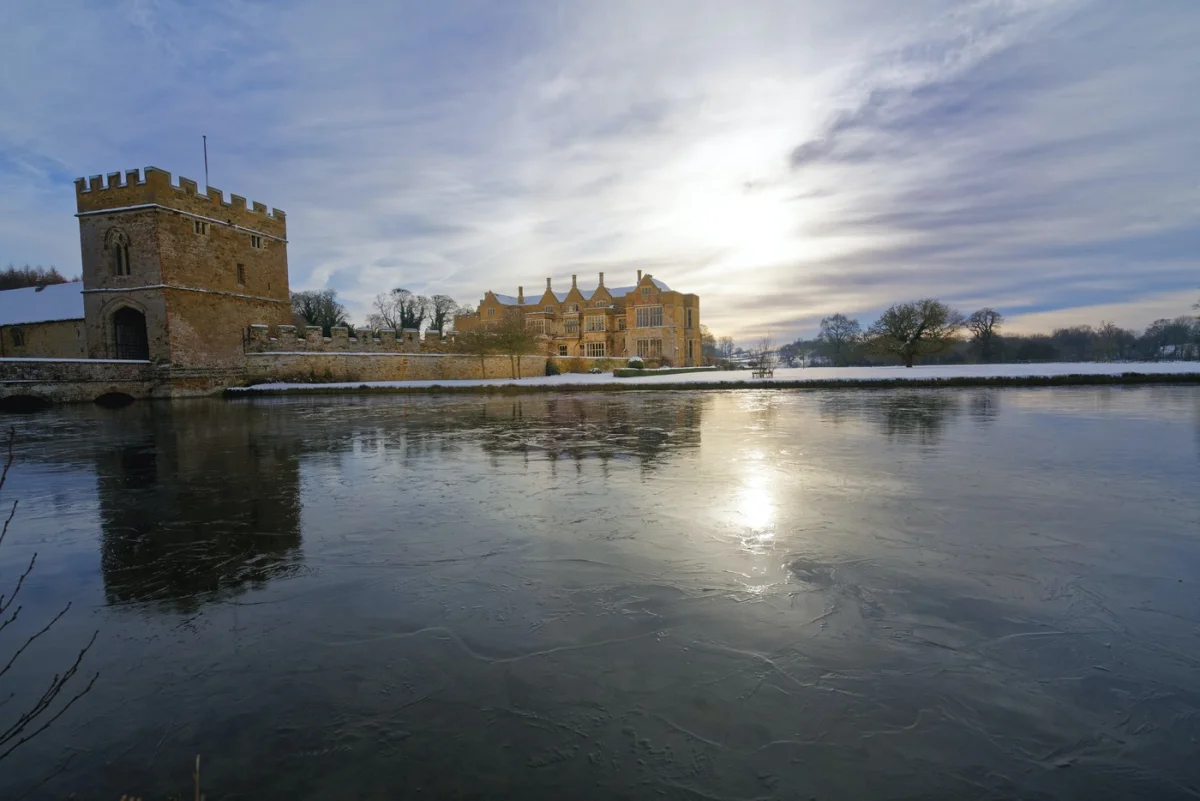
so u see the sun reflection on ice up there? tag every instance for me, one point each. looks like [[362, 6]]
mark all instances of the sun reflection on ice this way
[[756, 507]]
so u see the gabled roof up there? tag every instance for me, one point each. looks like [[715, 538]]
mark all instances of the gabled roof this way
[[42, 304], [622, 291], [588, 294], [558, 297]]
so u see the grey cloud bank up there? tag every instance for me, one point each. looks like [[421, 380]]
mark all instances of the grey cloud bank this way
[[783, 160]]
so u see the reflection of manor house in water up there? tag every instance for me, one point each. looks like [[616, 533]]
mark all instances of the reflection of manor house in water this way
[[648, 428], [647, 319], [204, 505]]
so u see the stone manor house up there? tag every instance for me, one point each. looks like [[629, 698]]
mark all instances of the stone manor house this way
[[184, 292], [647, 319]]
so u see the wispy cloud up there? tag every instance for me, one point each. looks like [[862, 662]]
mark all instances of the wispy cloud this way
[[785, 160]]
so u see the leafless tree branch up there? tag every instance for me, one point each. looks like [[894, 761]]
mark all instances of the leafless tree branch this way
[[30, 723], [30, 641]]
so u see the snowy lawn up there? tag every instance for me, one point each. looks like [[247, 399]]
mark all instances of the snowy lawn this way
[[813, 375]]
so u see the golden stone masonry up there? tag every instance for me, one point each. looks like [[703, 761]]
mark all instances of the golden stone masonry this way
[[186, 292]]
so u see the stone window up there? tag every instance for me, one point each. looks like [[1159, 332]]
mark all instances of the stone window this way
[[492, 312], [537, 325], [549, 310], [241, 274], [649, 317], [562, 350], [571, 326], [116, 242], [691, 349], [645, 291], [649, 348], [200, 227], [690, 318], [595, 322], [595, 350], [18, 337], [600, 304], [256, 241]]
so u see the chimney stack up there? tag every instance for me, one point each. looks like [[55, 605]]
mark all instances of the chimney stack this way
[[574, 278], [547, 283], [520, 294], [601, 279], [639, 276]]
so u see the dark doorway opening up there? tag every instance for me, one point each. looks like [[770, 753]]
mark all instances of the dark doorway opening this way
[[129, 334]]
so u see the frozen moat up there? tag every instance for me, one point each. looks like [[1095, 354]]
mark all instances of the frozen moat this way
[[694, 595]]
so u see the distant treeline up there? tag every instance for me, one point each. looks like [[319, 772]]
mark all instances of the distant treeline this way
[[17, 277], [933, 333]]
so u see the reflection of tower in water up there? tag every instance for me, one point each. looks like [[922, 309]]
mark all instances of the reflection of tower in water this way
[[199, 504]]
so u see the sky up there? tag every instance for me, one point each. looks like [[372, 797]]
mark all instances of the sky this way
[[783, 160]]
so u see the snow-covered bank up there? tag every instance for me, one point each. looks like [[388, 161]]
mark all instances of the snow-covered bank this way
[[786, 377]]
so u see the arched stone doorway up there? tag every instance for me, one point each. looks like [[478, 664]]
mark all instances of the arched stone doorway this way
[[129, 335]]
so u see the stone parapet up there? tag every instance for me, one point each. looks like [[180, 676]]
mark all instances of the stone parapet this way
[[153, 186], [289, 339]]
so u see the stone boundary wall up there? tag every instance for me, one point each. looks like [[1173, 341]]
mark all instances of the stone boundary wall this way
[[330, 367], [290, 339], [68, 380]]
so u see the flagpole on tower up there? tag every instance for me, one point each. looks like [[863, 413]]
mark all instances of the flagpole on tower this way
[[205, 138]]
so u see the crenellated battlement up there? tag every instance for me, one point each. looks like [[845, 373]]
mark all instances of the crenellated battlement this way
[[153, 186], [289, 339]]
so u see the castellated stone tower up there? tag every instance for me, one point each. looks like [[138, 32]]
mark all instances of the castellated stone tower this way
[[177, 276]]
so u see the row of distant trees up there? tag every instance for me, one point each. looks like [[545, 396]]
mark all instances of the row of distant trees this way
[[934, 332], [397, 309], [400, 309], [12, 277]]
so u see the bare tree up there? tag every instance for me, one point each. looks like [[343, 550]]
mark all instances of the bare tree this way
[[708, 345], [478, 341], [385, 315], [763, 355], [320, 307], [908, 330], [725, 348], [414, 309], [1076, 343], [33, 718], [514, 338], [399, 309], [839, 334], [442, 309], [1108, 340], [983, 325]]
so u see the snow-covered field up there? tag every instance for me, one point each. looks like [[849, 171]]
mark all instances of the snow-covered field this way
[[813, 375]]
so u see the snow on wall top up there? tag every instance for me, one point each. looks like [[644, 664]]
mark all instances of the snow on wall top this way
[[42, 304]]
